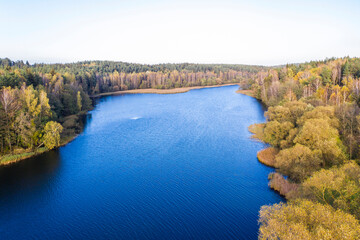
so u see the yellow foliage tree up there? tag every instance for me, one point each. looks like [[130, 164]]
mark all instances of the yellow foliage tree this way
[[338, 187], [52, 134], [306, 220], [318, 135], [298, 162]]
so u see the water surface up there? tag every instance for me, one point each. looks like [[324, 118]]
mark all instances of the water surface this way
[[147, 166]]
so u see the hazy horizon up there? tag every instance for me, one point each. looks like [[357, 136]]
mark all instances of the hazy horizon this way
[[216, 63], [155, 32]]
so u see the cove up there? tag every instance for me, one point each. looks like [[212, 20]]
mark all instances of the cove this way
[[147, 166]]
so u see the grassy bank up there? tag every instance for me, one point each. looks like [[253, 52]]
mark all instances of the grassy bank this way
[[257, 129], [162, 91], [16, 157], [246, 92], [13, 158], [282, 185], [267, 156]]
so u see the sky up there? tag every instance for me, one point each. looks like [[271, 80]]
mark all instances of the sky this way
[[260, 32]]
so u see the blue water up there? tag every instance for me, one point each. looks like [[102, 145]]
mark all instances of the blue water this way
[[147, 166]]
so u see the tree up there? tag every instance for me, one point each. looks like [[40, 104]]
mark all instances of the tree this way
[[346, 69], [69, 101], [326, 75], [276, 133], [78, 101], [279, 113], [348, 115], [303, 219], [25, 130], [298, 162], [321, 112], [52, 134], [288, 112], [297, 109], [32, 108], [10, 106], [3, 130], [336, 95], [318, 135], [45, 110], [338, 187]]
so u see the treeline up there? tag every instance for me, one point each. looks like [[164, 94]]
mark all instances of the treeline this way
[[325, 82], [104, 76], [64, 90], [314, 127]]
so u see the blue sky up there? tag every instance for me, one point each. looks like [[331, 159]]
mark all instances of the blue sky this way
[[245, 32]]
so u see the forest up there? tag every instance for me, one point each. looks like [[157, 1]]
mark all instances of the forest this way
[[42, 105], [313, 127]]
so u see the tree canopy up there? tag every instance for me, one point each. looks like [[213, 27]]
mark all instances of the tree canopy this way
[[306, 220]]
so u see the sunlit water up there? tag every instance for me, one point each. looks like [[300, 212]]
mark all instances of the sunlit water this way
[[147, 166]]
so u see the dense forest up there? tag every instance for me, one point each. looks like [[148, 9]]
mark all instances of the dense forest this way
[[313, 126], [41, 105]]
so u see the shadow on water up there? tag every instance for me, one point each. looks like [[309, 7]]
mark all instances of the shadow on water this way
[[35, 172], [29, 174]]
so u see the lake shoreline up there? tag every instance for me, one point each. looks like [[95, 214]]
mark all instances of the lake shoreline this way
[[161, 91], [114, 149], [26, 155], [14, 158], [266, 156], [249, 93]]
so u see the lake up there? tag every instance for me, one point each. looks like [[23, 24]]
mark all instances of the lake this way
[[147, 166]]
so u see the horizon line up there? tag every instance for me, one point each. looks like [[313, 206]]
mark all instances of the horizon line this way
[[174, 63]]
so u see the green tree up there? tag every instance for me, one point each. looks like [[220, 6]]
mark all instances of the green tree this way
[[326, 75], [297, 109], [298, 162], [276, 133], [78, 101], [279, 113], [346, 69]]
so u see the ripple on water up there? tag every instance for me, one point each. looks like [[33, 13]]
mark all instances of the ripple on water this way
[[185, 169]]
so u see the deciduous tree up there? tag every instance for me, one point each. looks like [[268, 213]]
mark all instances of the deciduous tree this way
[[52, 134]]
